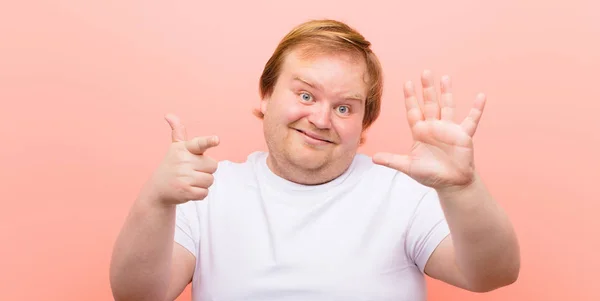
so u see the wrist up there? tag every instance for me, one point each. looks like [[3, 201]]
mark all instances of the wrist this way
[[149, 197], [453, 191]]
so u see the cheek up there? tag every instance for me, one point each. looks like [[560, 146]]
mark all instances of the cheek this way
[[296, 112], [349, 131], [289, 109]]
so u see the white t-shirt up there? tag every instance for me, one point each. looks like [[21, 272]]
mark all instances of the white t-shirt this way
[[366, 235]]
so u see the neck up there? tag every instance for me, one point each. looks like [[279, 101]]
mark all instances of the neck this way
[[303, 176]]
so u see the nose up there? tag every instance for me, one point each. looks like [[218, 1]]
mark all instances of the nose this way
[[320, 116]]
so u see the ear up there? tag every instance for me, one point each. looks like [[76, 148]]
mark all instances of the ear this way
[[263, 105], [363, 138]]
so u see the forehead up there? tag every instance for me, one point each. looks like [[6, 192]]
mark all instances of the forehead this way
[[327, 68]]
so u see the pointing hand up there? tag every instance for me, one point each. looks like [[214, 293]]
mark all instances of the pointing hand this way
[[185, 173]]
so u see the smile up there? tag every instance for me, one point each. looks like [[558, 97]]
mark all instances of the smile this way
[[313, 137]]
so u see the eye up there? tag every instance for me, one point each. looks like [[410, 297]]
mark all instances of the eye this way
[[305, 96], [343, 109]]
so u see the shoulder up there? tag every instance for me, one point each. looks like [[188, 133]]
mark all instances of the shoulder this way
[[385, 176], [403, 194], [234, 171], [253, 159], [230, 176]]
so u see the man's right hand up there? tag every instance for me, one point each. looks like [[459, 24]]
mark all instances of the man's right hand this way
[[185, 173]]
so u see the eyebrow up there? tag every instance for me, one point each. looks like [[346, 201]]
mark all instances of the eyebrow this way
[[355, 96]]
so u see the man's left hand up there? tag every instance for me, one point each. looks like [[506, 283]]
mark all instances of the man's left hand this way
[[442, 153]]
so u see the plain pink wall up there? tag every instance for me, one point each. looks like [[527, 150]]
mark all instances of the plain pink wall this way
[[84, 86]]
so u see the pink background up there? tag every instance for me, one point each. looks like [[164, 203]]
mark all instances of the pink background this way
[[84, 86]]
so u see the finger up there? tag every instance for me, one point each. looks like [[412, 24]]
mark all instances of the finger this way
[[431, 107], [446, 101], [202, 180], [196, 193], [398, 162], [206, 165], [199, 145], [178, 132], [471, 122], [413, 111]]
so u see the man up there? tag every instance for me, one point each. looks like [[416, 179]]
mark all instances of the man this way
[[311, 219]]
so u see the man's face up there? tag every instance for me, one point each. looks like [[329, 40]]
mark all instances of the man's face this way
[[313, 118]]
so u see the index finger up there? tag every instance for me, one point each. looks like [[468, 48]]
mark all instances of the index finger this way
[[199, 145], [413, 110]]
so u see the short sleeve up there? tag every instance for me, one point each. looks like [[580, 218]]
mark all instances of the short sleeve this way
[[186, 227], [426, 229]]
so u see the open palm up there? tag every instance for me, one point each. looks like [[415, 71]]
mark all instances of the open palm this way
[[442, 153]]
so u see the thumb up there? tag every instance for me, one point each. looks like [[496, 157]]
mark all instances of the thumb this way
[[397, 162], [199, 145], [177, 129]]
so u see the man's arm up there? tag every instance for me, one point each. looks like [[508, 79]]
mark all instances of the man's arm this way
[[182, 271], [482, 252], [146, 263]]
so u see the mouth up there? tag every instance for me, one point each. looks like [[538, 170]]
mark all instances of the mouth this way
[[313, 136]]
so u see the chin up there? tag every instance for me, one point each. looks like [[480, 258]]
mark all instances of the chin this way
[[307, 158]]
